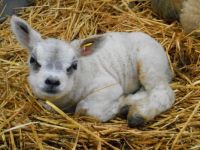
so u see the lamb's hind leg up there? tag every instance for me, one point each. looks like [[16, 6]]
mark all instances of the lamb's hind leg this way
[[145, 105], [156, 95]]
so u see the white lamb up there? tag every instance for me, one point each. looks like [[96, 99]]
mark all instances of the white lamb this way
[[100, 75]]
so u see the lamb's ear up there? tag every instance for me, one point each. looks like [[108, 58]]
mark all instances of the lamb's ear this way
[[24, 33], [88, 46]]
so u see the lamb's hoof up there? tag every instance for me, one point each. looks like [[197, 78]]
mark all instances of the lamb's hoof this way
[[123, 112], [136, 121]]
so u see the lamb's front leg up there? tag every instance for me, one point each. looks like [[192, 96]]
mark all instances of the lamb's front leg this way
[[102, 104]]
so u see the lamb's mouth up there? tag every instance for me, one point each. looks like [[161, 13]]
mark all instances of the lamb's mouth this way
[[50, 91], [50, 94]]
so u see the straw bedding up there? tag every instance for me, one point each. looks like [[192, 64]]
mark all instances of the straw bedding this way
[[24, 124]]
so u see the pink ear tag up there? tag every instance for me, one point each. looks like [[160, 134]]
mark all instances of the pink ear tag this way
[[86, 49]]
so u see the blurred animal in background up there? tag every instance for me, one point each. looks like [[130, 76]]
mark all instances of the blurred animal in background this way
[[185, 11], [101, 74], [8, 7]]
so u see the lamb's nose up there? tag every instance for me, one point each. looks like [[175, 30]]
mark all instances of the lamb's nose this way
[[52, 82]]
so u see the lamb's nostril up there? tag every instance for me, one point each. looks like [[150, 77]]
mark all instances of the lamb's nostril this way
[[52, 82], [57, 83]]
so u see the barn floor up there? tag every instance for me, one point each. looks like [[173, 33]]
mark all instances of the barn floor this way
[[24, 124]]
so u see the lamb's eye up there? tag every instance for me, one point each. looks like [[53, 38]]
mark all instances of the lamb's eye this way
[[72, 68], [32, 60], [34, 63]]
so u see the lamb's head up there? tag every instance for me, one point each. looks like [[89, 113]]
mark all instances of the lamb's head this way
[[52, 62]]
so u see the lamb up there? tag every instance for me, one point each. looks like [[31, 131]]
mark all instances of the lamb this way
[[187, 11], [100, 75]]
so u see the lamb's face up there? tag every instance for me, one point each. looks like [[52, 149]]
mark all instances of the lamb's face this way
[[52, 62], [52, 66]]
